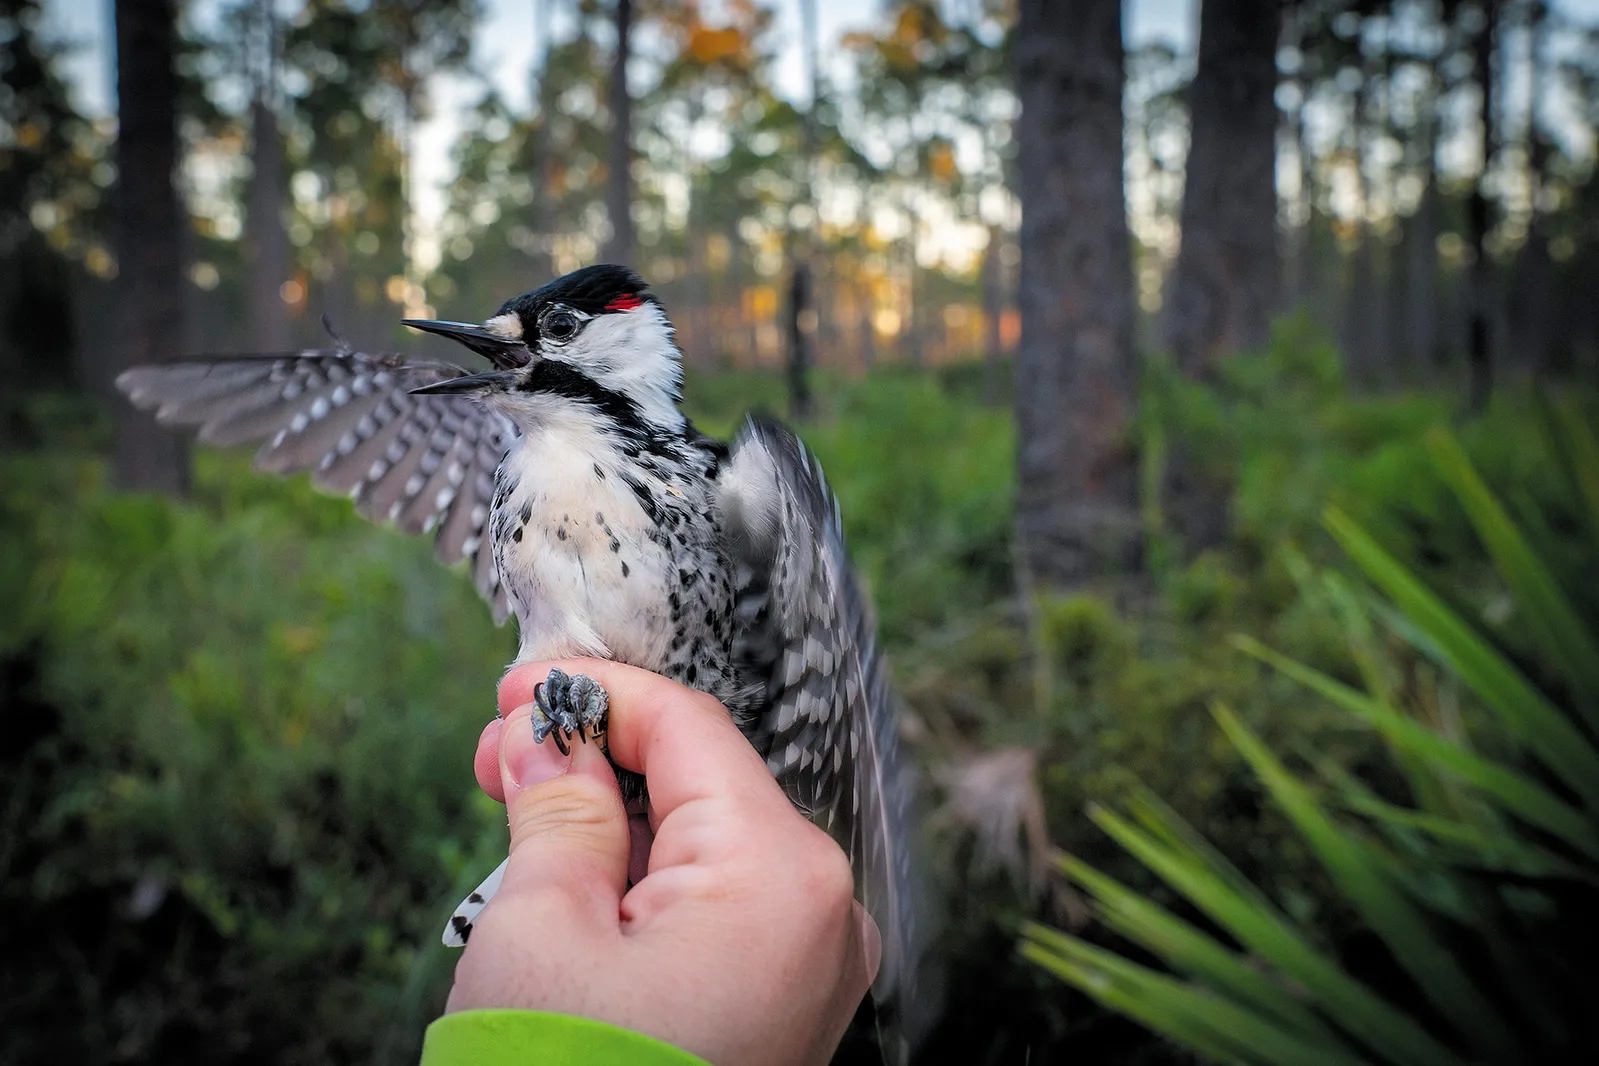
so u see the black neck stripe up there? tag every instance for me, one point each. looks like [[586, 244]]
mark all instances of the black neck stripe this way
[[563, 379]]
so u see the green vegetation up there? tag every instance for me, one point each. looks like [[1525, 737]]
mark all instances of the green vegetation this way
[[235, 782], [237, 801], [1477, 873]]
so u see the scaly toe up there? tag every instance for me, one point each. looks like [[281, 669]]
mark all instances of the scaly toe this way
[[593, 706], [569, 704]]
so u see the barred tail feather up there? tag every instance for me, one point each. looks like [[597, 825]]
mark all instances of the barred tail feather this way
[[459, 927]]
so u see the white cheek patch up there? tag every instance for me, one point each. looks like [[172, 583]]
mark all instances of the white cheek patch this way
[[632, 352], [508, 325]]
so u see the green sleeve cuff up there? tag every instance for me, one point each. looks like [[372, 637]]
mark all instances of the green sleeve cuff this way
[[519, 1037]]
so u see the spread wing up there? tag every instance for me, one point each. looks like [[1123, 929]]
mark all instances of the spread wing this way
[[825, 719], [420, 462]]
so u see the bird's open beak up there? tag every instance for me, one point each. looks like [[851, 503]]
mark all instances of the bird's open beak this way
[[501, 351], [488, 381]]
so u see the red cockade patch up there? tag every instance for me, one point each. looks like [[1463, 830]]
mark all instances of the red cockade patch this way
[[625, 302]]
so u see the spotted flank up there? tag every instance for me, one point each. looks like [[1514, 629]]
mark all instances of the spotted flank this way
[[460, 924]]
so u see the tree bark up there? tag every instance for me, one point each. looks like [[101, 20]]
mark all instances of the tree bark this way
[[1421, 239], [802, 317], [1312, 271], [1361, 325], [698, 285], [619, 183], [799, 348], [1479, 330], [1225, 285], [1424, 353], [1537, 275], [267, 247], [1075, 369], [993, 310], [1367, 328], [1295, 289], [150, 224]]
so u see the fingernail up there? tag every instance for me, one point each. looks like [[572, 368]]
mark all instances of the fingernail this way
[[526, 760]]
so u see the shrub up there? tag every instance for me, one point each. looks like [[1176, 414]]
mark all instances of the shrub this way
[[239, 810]]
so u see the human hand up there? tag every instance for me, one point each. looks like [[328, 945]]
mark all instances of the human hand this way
[[742, 941]]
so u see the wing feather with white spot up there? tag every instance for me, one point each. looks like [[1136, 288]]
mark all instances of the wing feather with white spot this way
[[826, 720], [423, 463]]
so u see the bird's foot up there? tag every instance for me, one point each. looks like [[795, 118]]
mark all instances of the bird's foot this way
[[566, 705]]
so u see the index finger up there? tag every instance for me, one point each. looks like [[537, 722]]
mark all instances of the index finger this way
[[682, 740]]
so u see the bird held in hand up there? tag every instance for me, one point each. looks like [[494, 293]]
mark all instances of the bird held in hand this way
[[585, 503]]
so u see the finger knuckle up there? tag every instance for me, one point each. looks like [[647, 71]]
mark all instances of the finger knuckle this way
[[828, 878], [570, 803]]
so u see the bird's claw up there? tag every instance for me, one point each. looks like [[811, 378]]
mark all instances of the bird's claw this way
[[566, 705]]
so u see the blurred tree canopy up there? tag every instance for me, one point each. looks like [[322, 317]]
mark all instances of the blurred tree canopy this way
[[1379, 128]]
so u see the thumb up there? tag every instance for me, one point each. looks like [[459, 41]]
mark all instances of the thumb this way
[[569, 833]]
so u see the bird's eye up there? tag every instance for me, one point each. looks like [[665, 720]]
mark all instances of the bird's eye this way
[[561, 326]]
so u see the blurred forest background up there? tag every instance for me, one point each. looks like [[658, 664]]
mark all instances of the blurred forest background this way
[[1214, 427]]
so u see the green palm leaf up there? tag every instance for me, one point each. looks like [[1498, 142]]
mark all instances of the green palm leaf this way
[[1552, 619], [1461, 855], [1215, 1025], [1529, 715], [1267, 934], [1364, 882], [1195, 953], [1518, 793]]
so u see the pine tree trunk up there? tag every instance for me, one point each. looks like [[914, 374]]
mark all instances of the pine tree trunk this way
[[911, 333], [1479, 329], [1421, 279], [702, 333], [1358, 329], [1423, 352], [1367, 311], [542, 213], [267, 244], [1380, 258], [1583, 328], [150, 225], [619, 183], [1294, 259], [799, 354], [801, 315], [1224, 287], [1311, 270], [1537, 274], [993, 309], [1075, 369]]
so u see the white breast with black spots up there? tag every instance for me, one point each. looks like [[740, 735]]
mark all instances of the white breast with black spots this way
[[575, 553]]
